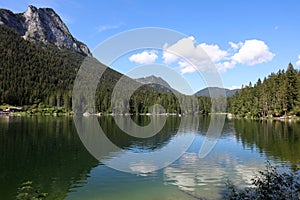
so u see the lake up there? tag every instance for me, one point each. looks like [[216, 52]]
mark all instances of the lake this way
[[49, 152]]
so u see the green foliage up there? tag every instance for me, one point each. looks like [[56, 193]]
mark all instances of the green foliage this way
[[277, 95], [43, 109], [269, 184], [35, 74], [31, 73], [28, 192]]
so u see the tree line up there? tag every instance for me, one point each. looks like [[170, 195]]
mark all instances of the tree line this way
[[277, 95], [34, 74], [37, 74]]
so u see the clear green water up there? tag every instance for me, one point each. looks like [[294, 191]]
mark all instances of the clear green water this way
[[48, 151]]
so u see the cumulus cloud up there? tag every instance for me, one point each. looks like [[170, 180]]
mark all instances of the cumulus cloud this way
[[191, 57], [253, 52], [169, 57], [298, 62], [235, 46], [224, 66], [186, 67], [214, 52], [146, 57]]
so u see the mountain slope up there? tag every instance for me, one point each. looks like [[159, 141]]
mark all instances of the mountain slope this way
[[38, 69], [30, 73], [34, 75], [42, 25], [216, 91]]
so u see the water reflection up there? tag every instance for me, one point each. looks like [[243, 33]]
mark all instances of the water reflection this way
[[192, 176], [136, 155], [48, 151], [279, 140], [206, 177], [136, 144], [44, 150]]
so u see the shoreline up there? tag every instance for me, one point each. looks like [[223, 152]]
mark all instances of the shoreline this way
[[62, 111], [71, 113], [281, 118]]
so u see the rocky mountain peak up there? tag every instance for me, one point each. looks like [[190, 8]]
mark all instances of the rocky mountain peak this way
[[42, 25]]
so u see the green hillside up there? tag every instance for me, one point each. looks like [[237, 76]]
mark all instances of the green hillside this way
[[35, 74], [31, 74]]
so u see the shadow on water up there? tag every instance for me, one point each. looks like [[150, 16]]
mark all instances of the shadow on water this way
[[279, 140], [44, 150], [125, 141]]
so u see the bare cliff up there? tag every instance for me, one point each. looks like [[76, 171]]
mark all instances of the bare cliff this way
[[42, 25]]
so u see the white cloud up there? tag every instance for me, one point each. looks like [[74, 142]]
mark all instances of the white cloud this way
[[109, 27], [146, 57], [223, 66], [233, 87], [214, 52], [235, 46], [169, 57], [253, 52], [186, 67], [186, 49], [191, 57], [298, 62]]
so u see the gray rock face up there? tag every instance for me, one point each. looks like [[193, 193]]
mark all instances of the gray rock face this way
[[42, 25]]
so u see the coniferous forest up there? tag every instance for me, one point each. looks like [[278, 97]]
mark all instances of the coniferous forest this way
[[32, 74], [36, 74], [277, 95]]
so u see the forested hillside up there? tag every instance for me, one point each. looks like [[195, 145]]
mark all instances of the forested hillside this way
[[33, 75], [276, 95]]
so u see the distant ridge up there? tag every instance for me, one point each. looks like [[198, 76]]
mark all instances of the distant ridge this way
[[44, 26], [216, 92], [160, 84], [156, 83]]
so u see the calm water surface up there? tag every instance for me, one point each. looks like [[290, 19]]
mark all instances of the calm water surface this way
[[49, 152]]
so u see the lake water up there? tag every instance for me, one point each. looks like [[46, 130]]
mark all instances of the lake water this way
[[48, 151]]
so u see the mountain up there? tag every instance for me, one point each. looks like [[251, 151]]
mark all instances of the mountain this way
[[30, 73], [216, 91], [39, 61], [37, 72], [42, 25], [157, 83]]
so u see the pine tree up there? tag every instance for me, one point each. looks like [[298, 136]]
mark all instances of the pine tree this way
[[292, 86]]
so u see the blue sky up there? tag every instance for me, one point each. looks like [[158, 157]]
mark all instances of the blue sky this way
[[248, 39]]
